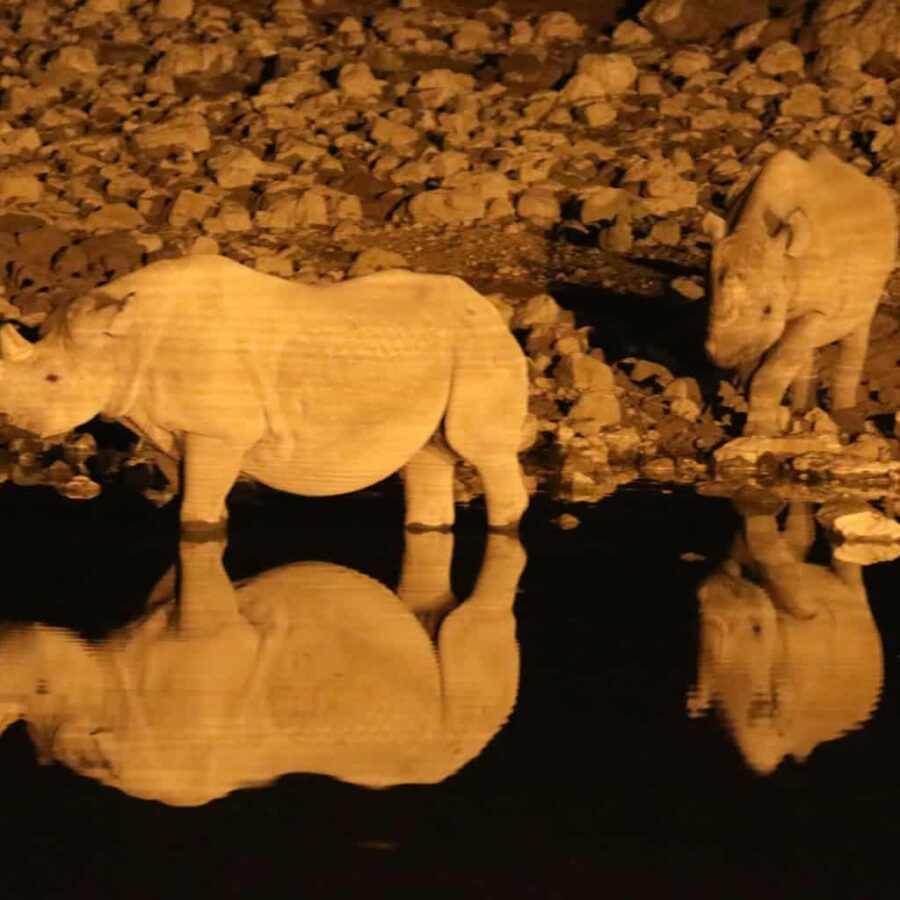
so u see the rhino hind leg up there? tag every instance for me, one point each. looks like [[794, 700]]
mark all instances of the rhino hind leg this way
[[428, 488], [484, 425]]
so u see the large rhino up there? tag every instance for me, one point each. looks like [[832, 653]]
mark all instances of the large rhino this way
[[310, 667], [790, 654], [317, 390], [801, 264]]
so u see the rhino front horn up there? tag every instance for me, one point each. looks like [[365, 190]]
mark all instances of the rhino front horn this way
[[13, 346]]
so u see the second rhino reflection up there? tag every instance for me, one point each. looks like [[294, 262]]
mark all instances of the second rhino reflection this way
[[311, 667], [790, 655]]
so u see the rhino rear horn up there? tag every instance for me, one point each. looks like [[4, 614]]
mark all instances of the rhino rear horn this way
[[13, 347], [799, 234]]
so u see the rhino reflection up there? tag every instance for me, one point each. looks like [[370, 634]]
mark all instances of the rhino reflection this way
[[311, 667], [790, 655]]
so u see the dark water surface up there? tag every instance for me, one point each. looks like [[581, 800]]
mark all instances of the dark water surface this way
[[599, 784]]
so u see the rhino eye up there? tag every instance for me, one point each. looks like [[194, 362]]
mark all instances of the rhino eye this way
[[767, 310], [51, 377]]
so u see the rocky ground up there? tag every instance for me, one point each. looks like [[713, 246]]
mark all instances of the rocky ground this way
[[560, 161]]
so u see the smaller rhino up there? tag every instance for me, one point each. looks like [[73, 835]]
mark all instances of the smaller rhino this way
[[801, 264], [311, 389]]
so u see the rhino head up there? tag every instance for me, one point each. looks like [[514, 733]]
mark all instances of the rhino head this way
[[751, 283], [68, 376]]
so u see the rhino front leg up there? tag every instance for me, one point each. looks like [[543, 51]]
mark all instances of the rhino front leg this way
[[782, 365], [425, 578], [211, 466], [428, 488], [803, 387], [848, 368]]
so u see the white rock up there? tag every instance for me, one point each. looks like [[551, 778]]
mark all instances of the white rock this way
[[629, 33], [596, 114], [558, 26], [235, 167], [749, 35], [595, 410], [688, 288], [20, 186], [616, 72], [175, 9], [188, 131], [473, 34], [780, 57], [374, 259], [357, 81], [538, 203], [394, 134], [190, 207], [749, 449], [443, 205], [541, 309], [114, 217], [804, 102], [685, 63]]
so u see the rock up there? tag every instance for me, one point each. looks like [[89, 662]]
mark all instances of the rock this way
[[596, 115], [558, 26], [80, 488], [595, 410], [750, 449], [660, 469], [356, 80], [437, 87], [615, 73], [688, 288], [232, 217], [618, 238], [114, 217], [566, 522], [374, 259], [20, 185], [442, 205], [394, 134], [603, 204], [472, 35], [194, 59], [749, 36], [583, 372], [189, 207], [235, 167], [779, 58], [856, 520], [541, 309], [539, 204], [692, 20], [175, 9], [288, 211], [804, 102], [629, 33], [644, 370], [189, 131], [685, 63], [867, 28]]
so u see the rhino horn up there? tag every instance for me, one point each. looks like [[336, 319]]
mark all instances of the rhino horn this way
[[13, 346]]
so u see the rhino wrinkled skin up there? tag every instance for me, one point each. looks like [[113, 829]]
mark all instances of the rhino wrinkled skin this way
[[315, 390], [310, 667], [790, 655], [801, 264]]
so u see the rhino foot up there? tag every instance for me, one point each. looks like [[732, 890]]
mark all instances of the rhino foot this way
[[419, 528], [511, 528], [203, 531], [159, 498]]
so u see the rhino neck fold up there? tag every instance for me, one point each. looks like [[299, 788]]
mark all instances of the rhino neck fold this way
[[127, 371]]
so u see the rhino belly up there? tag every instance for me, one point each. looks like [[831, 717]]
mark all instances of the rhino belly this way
[[347, 437]]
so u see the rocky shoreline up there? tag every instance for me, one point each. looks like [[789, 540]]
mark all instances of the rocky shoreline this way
[[560, 163]]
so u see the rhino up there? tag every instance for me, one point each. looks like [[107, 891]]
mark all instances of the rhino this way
[[801, 264], [311, 389], [310, 667], [790, 655]]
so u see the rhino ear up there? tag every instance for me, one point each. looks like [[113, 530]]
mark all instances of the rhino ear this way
[[14, 347], [714, 226], [95, 314], [799, 234]]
